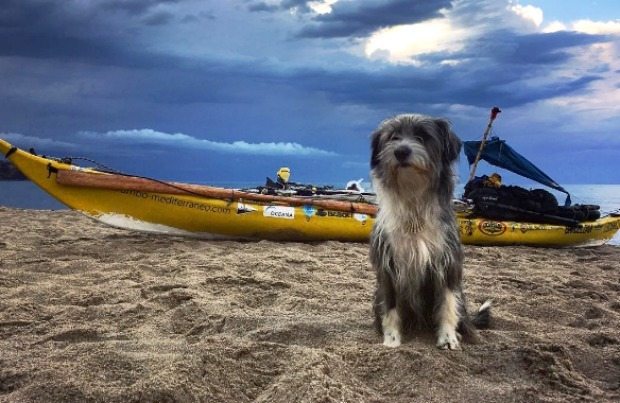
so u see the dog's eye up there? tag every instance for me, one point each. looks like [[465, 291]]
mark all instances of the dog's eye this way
[[421, 136], [396, 137]]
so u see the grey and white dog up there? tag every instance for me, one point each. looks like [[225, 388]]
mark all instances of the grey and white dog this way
[[415, 247]]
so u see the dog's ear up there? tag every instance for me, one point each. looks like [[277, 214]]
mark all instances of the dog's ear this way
[[375, 148], [452, 144]]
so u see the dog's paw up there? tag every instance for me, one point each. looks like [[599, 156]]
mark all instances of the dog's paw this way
[[391, 328], [391, 338], [448, 341]]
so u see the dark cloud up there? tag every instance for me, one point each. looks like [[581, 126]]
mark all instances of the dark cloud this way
[[534, 49], [65, 47], [193, 18], [133, 7], [261, 6], [493, 71], [55, 46], [18, 14], [508, 69], [159, 18], [362, 18], [53, 30], [398, 88]]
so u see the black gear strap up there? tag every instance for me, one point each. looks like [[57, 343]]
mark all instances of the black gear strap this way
[[11, 151]]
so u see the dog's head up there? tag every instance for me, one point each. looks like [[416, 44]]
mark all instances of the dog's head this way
[[414, 152]]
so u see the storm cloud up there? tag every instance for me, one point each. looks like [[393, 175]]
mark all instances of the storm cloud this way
[[356, 19], [251, 74]]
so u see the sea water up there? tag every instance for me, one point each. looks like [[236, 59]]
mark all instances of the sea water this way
[[26, 195]]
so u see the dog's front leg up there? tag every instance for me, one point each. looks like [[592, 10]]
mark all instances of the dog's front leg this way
[[447, 321], [391, 324], [386, 312]]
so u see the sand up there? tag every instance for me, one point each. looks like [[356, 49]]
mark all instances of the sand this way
[[89, 313]]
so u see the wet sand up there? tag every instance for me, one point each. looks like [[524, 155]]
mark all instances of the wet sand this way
[[90, 313]]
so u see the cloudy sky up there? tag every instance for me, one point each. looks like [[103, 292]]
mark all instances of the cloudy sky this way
[[222, 91]]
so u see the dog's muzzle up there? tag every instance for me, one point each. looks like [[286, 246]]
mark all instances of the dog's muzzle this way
[[402, 154]]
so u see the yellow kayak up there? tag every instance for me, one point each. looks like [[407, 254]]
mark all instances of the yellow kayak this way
[[149, 205]]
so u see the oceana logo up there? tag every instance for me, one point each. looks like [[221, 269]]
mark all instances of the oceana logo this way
[[279, 212]]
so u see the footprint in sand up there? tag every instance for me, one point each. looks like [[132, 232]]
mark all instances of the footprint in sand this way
[[74, 336], [11, 380], [602, 340]]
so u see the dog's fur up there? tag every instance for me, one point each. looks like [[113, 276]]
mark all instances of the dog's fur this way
[[415, 247]]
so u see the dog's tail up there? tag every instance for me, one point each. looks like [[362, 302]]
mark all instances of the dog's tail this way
[[482, 318]]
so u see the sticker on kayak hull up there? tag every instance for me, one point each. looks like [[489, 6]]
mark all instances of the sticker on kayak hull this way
[[492, 228], [244, 208], [279, 212], [309, 212], [360, 217]]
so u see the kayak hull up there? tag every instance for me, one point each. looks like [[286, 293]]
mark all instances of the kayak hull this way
[[192, 215], [480, 231]]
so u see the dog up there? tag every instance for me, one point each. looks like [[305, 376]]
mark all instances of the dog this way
[[415, 247]]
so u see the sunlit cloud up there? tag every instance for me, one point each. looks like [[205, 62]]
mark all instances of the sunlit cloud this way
[[402, 43], [529, 13], [24, 141], [585, 26], [555, 26], [322, 7], [154, 137], [597, 27], [604, 105], [454, 31]]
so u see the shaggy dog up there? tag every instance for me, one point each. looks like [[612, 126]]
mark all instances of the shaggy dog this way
[[415, 246]]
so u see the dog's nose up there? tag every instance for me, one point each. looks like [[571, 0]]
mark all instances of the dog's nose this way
[[402, 153]]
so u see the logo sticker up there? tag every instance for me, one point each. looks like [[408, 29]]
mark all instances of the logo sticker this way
[[340, 214], [492, 228], [360, 217], [279, 212], [309, 211], [244, 208]]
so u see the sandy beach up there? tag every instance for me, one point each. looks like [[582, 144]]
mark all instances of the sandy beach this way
[[89, 313]]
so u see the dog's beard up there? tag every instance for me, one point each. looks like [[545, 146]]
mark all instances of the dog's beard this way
[[408, 183]]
